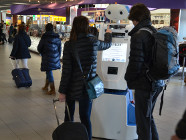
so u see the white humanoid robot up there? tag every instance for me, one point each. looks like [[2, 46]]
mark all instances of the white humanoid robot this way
[[113, 114]]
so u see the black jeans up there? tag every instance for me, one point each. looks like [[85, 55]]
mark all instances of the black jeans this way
[[144, 106], [85, 107]]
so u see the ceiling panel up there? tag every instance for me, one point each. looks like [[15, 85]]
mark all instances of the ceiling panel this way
[[5, 4]]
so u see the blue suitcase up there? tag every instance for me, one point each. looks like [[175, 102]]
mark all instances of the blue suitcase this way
[[22, 77]]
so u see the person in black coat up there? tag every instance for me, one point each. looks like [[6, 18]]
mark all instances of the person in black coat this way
[[50, 49], [20, 47], [11, 30], [146, 92], [71, 86]]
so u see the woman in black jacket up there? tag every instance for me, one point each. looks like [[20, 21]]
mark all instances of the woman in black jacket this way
[[20, 47], [50, 49], [71, 86]]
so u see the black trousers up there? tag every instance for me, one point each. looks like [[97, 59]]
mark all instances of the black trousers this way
[[144, 106]]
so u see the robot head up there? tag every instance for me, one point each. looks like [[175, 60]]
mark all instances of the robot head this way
[[116, 12]]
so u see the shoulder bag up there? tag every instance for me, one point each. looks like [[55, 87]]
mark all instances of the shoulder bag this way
[[94, 87]]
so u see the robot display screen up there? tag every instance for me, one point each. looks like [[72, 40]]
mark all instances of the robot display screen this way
[[117, 53]]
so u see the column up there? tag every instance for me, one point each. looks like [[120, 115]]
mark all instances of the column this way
[[24, 19], [68, 15], [14, 19], [4, 16], [182, 25]]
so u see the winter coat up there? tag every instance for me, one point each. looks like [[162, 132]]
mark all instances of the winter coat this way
[[72, 79], [50, 49], [20, 46], [140, 52], [181, 127], [11, 30]]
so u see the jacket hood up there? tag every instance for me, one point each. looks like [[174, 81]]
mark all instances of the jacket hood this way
[[50, 34], [142, 24]]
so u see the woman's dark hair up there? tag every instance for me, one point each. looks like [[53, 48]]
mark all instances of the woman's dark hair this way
[[80, 25], [139, 12], [21, 28], [49, 27], [94, 31]]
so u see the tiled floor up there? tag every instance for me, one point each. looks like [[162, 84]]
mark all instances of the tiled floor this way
[[28, 114]]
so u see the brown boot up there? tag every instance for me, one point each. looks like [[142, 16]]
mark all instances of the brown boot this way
[[185, 80], [45, 88], [52, 89]]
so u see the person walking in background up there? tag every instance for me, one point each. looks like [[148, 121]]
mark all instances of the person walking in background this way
[[1, 36], [15, 29], [4, 30], [180, 129], [71, 87], [20, 47], [50, 49], [146, 92], [11, 30]]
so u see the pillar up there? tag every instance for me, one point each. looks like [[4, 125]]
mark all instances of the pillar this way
[[182, 25], [67, 15], [14, 19], [4, 16]]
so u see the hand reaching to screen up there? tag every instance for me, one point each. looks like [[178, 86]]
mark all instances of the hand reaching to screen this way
[[108, 30]]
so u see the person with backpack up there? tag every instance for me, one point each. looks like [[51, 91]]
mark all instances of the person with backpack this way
[[72, 87], [50, 49], [146, 91], [20, 48]]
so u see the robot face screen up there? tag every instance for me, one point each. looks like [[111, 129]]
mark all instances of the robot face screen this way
[[116, 12]]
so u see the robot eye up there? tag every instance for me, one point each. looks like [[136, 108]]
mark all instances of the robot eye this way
[[121, 12], [109, 12]]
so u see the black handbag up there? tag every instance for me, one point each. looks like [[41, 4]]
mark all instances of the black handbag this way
[[69, 130], [95, 86]]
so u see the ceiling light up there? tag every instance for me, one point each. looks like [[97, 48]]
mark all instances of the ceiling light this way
[[3, 6], [19, 3]]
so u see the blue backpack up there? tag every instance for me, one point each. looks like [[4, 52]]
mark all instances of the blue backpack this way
[[164, 62]]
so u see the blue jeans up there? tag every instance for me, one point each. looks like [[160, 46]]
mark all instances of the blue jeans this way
[[85, 107], [144, 106], [49, 76]]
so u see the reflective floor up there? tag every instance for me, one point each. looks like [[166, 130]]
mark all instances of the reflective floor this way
[[28, 114]]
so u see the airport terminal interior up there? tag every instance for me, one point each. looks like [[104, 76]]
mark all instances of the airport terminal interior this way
[[28, 113]]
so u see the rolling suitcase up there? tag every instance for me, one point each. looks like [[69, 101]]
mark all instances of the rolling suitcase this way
[[21, 77], [69, 130]]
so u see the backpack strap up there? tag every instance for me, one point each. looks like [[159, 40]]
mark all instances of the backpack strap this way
[[150, 78], [147, 29], [162, 96]]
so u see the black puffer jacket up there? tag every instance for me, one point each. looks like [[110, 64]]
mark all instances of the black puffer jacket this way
[[50, 49], [140, 53], [20, 47], [87, 46]]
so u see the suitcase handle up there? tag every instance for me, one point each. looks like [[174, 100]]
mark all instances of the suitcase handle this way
[[12, 63], [66, 105]]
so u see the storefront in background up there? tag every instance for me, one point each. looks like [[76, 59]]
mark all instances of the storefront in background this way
[[160, 18]]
